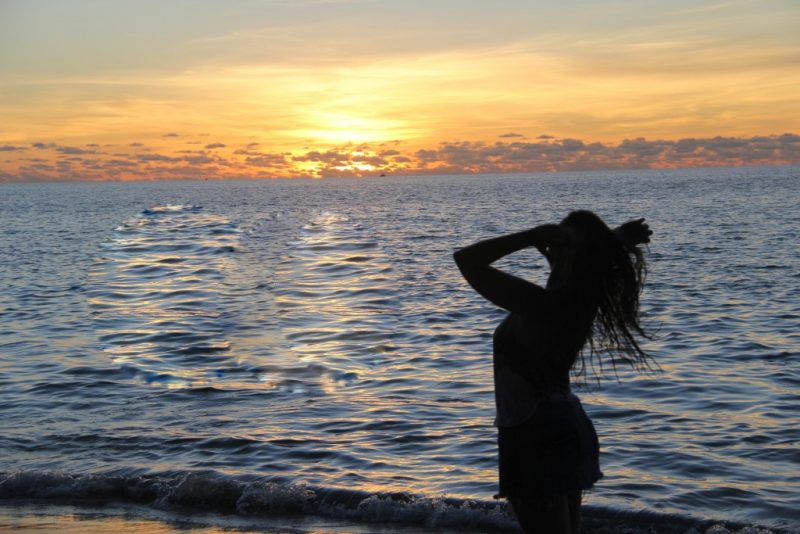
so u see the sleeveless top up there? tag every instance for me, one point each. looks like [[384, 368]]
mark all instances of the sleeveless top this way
[[524, 374]]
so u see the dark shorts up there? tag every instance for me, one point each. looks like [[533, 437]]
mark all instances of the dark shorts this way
[[554, 452]]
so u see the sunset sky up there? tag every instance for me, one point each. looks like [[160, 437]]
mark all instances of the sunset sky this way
[[111, 90]]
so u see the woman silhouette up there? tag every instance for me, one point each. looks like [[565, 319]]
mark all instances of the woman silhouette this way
[[548, 449]]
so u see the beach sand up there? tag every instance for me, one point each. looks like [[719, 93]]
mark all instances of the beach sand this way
[[127, 519]]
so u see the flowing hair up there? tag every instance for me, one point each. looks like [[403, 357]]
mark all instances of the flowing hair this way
[[612, 274]]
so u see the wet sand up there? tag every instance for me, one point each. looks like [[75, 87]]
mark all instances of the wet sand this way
[[127, 519]]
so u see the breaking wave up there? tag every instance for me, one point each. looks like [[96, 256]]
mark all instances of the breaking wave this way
[[255, 496]]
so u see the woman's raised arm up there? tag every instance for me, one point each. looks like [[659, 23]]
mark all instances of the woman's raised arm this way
[[507, 291]]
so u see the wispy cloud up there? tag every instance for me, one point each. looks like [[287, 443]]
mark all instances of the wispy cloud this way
[[73, 150]]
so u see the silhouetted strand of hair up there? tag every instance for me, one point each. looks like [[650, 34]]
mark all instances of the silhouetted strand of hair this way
[[612, 274]]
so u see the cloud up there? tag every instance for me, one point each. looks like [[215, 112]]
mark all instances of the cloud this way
[[10, 148], [216, 145], [199, 159], [425, 155], [40, 167], [156, 157], [74, 150], [247, 152], [268, 160], [349, 160], [545, 136], [124, 163], [170, 134], [511, 134], [572, 144], [69, 150], [575, 154], [330, 157], [136, 144], [374, 161]]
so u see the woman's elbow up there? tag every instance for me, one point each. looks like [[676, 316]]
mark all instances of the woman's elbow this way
[[461, 258]]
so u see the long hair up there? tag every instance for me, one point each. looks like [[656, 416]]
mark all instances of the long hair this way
[[610, 274]]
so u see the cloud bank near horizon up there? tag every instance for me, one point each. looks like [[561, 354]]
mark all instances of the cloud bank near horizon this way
[[48, 161]]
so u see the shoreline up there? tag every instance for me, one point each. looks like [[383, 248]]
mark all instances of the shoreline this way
[[91, 516]]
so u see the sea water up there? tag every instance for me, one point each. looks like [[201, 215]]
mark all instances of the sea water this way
[[308, 346]]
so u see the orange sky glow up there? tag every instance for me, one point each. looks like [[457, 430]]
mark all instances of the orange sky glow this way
[[319, 88]]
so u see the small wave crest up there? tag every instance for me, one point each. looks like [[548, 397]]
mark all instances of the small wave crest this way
[[251, 496], [171, 208]]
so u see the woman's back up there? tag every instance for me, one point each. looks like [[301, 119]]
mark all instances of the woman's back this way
[[532, 360]]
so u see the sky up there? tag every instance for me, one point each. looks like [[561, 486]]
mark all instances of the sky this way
[[113, 90]]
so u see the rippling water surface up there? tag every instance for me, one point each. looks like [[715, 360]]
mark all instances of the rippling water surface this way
[[307, 340]]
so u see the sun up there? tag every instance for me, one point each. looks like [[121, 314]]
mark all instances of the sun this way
[[342, 128]]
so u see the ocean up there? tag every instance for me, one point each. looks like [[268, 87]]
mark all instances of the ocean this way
[[305, 353]]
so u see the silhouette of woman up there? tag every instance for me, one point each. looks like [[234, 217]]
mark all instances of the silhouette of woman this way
[[548, 448]]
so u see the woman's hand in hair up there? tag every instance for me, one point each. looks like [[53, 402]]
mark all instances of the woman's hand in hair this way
[[634, 232], [550, 240]]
